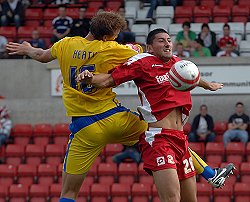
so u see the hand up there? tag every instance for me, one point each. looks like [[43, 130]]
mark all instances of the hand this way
[[18, 49], [215, 86], [85, 76]]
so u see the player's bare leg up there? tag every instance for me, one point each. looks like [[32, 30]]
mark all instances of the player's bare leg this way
[[71, 185], [188, 190], [167, 184]]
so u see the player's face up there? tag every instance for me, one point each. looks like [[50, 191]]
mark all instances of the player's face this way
[[161, 47]]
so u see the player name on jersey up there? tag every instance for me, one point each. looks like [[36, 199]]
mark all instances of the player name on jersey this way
[[84, 55]]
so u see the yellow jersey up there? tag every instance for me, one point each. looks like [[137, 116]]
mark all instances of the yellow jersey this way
[[76, 54]]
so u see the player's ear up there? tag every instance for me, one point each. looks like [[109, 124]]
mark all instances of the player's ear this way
[[105, 38], [149, 48]]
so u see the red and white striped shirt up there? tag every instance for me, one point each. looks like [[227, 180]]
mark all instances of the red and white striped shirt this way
[[157, 96]]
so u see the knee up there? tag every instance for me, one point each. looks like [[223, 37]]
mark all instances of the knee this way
[[170, 196]]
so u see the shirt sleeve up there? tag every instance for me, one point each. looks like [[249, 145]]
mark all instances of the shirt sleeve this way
[[127, 72], [56, 49]]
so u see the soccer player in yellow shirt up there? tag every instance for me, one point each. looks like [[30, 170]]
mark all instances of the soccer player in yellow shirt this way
[[97, 117]]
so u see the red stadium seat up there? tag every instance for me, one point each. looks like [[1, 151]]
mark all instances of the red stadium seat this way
[[187, 128], [33, 14], [155, 196], [42, 133], [141, 192], [46, 174], [84, 193], [95, 4], [189, 3], [143, 176], [54, 154], [127, 173], [227, 3], [241, 192], [7, 174], [183, 13], [18, 193], [8, 32], [99, 192], [245, 172], [90, 12], [235, 152], [112, 149], [240, 13], [202, 14], [32, 23], [220, 127], [73, 12], [4, 192], [198, 147], [14, 154], [113, 5], [225, 194], [221, 13], [209, 3], [120, 192], [50, 13], [215, 152], [26, 174], [34, 154], [22, 133], [61, 133], [38, 193], [248, 151], [244, 3], [25, 31], [107, 173], [204, 192], [55, 192]]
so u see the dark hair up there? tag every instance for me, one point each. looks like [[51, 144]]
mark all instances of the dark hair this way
[[199, 41], [226, 25], [106, 23], [151, 35], [239, 103], [186, 23], [203, 105], [204, 25]]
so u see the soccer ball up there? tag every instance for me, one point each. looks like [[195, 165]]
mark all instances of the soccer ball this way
[[184, 75]]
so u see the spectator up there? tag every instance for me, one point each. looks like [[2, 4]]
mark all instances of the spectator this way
[[186, 36], [126, 36], [226, 38], [228, 51], [202, 129], [128, 152], [5, 124], [36, 41], [153, 5], [209, 38], [61, 24], [198, 49], [180, 52], [13, 13], [237, 125], [81, 25], [3, 43]]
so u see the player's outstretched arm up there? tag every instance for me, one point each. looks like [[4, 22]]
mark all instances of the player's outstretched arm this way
[[209, 85], [99, 80], [26, 49]]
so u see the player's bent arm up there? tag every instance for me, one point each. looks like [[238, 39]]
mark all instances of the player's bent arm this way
[[210, 86], [26, 49], [103, 81], [99, 80]]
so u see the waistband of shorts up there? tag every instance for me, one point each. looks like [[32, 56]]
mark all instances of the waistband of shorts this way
[[81, 122], [165, 130]]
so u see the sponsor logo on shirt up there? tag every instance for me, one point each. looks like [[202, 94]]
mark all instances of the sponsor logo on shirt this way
[[156, 65], [162, 79], [160, 160]]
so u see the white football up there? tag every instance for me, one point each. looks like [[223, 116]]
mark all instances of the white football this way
[[184, 75]]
